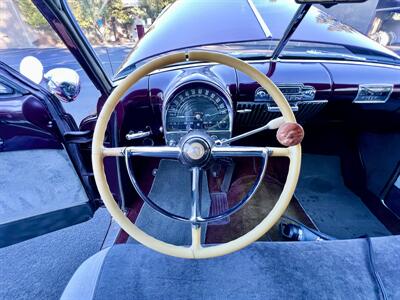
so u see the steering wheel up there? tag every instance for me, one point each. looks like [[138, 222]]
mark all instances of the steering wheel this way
[[194, 151]]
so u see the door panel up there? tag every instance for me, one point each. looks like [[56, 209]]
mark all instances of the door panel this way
[[34, 183], [42, 179], [16, 132]]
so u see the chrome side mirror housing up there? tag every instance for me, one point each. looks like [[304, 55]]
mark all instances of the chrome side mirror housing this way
[[64, 83]]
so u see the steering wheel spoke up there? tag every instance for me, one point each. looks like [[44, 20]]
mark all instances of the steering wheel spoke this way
[[196, 237], [150, 151], [196, 192], [246, 151], [279, 151], [196, 189], [238, 151]]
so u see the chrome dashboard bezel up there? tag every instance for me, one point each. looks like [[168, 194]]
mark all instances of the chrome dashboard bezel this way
[[373, 86], [170, 95]]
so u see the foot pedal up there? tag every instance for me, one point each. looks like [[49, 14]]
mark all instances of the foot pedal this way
[[219, 200], [219, 204]]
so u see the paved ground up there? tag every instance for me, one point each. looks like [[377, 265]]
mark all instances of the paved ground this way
[[11, 25]]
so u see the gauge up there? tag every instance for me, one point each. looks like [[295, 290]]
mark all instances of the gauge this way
[[200, 107]]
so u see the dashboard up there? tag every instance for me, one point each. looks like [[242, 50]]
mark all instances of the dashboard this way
[[180, 99], [197, 105]]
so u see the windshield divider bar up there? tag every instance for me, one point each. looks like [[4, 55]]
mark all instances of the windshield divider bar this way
[[294, 23]]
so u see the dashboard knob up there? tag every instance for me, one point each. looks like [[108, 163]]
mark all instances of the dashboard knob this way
[[290, 134]]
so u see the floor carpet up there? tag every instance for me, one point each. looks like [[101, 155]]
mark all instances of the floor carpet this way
[[335, 209]]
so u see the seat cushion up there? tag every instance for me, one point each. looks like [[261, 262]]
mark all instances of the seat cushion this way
[[296, 270]]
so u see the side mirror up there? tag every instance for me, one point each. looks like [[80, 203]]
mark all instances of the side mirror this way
[[31, 68], [64, 83]]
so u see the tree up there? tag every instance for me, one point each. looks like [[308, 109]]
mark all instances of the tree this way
[[154, 7], [123, 15], [96, 16], [31, 14]]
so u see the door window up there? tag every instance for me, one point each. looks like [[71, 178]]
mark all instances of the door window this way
[[24, 32], [114, 27]]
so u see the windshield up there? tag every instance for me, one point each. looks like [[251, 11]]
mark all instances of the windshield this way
[[234, 29], [254, 50], [126, 34]]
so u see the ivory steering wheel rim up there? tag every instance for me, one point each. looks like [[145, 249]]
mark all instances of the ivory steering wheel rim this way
[[196, 250]]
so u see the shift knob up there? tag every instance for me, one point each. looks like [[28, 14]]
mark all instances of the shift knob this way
[[290, 134]]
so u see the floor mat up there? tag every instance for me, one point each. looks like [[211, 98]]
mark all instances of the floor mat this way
[[171, 190], [332, 206], [254, 211]]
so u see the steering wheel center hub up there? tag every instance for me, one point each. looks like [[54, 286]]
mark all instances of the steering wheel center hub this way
[[195, 151]]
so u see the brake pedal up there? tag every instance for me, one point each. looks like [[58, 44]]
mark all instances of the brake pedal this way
[[219, 200], [219, 204]]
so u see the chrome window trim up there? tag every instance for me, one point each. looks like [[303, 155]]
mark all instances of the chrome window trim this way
[[5, 90], [286, 60]]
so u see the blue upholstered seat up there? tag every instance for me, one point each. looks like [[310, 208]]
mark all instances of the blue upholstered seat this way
[[269, 270]]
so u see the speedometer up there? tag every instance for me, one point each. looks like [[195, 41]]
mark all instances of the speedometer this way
[[197, 106]]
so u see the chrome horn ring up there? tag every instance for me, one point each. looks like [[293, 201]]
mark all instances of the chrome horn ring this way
[[181, 154]]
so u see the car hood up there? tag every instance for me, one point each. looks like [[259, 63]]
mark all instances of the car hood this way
[[193, 23]]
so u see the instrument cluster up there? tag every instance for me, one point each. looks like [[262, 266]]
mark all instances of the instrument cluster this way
[[197, 106]]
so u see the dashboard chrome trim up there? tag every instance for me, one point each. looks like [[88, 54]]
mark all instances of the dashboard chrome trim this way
[[370, 87], [283, 60], [304, 93]]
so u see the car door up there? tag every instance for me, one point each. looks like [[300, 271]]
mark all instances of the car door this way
[[43, 184]]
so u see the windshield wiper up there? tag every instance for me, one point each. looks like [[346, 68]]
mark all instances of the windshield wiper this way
[[124, 72], [294, 23]]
